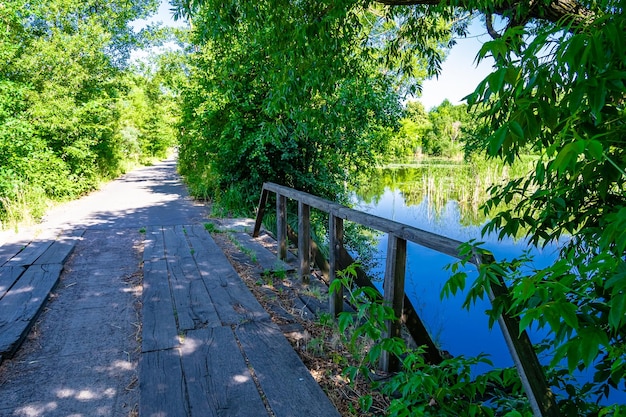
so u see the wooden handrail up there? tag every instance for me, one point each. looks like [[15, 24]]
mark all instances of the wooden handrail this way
[[519, 344], [423, 238]]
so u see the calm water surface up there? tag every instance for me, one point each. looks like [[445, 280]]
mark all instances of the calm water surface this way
[[445, 200], [455, 329]]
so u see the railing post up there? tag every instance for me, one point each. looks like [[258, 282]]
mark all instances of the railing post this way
[[335, 228], [304, 241], [281, 226], [393, 295], [260, 213], [541, 398]]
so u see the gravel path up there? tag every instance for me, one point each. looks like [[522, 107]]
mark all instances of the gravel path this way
[[81, 357]]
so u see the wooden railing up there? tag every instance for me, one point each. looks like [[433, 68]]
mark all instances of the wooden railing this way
[[533, 379]]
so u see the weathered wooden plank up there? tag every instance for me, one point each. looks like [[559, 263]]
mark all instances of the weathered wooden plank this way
[[287, 384], [311, 200], [199, 310], [159, 325], [218, 379], [30, 253], [315, 306], [303, 308], [177, 253], [304, 239], [61, 249], [162, 391], [269, 242], [9, 250], [532, 376], [8, 277], [261, 213], [232, 299], [281, 225], [20, 307], [202, 308], [154, 245], [335, 229], [266, 259]]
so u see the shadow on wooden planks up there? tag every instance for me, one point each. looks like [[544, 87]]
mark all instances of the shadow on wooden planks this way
[[222, 359], [29, 272]]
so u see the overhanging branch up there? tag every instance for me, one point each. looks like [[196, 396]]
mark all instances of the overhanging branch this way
[[489, 22], [554, 12]]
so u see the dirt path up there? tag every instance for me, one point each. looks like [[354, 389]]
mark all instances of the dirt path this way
[[81, 357]]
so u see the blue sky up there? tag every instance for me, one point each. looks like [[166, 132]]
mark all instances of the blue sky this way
[[459, 75]]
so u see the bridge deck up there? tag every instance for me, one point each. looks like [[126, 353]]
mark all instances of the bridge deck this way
[[208, 347]]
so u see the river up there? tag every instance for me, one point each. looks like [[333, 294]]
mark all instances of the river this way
[[453, 328], [445, 199]]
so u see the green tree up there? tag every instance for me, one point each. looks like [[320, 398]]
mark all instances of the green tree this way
[[414, 127], [447, 134], [443, 131], [149, 109], [558, 89], [561, 92], [295, 95], [62, 70]]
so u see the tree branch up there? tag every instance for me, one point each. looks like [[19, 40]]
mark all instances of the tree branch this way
[[555, 11], [489, 23]]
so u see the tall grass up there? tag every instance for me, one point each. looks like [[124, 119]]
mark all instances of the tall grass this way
[[438, 181], [25, 208]]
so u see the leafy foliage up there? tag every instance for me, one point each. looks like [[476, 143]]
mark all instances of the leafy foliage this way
[[443, 131], [294, 95], [561, 92], [420, 388]]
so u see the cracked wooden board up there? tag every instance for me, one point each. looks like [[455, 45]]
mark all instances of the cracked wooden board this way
[[22, 304]]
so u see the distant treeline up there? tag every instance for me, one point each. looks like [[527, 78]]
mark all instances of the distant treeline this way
[[442, 131]]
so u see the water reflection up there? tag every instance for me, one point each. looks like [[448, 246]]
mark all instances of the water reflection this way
[[407, 196], [431, 198], [431, 188]]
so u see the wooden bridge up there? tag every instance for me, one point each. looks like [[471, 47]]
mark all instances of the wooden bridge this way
[[29, 271], [216, 352], [208, 347]]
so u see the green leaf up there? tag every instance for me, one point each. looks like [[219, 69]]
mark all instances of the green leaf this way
[[589, 343], [516, 129], [568, 312], [595, 149], [598, 99], [617, 312], [365, 403], [496, 141], [525, 321], [568, 155], [496, 79], [573, 354]]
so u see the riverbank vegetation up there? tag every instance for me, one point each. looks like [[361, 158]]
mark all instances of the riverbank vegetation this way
[[73, 112], [442, 131], [439, 181], [308, 96]]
